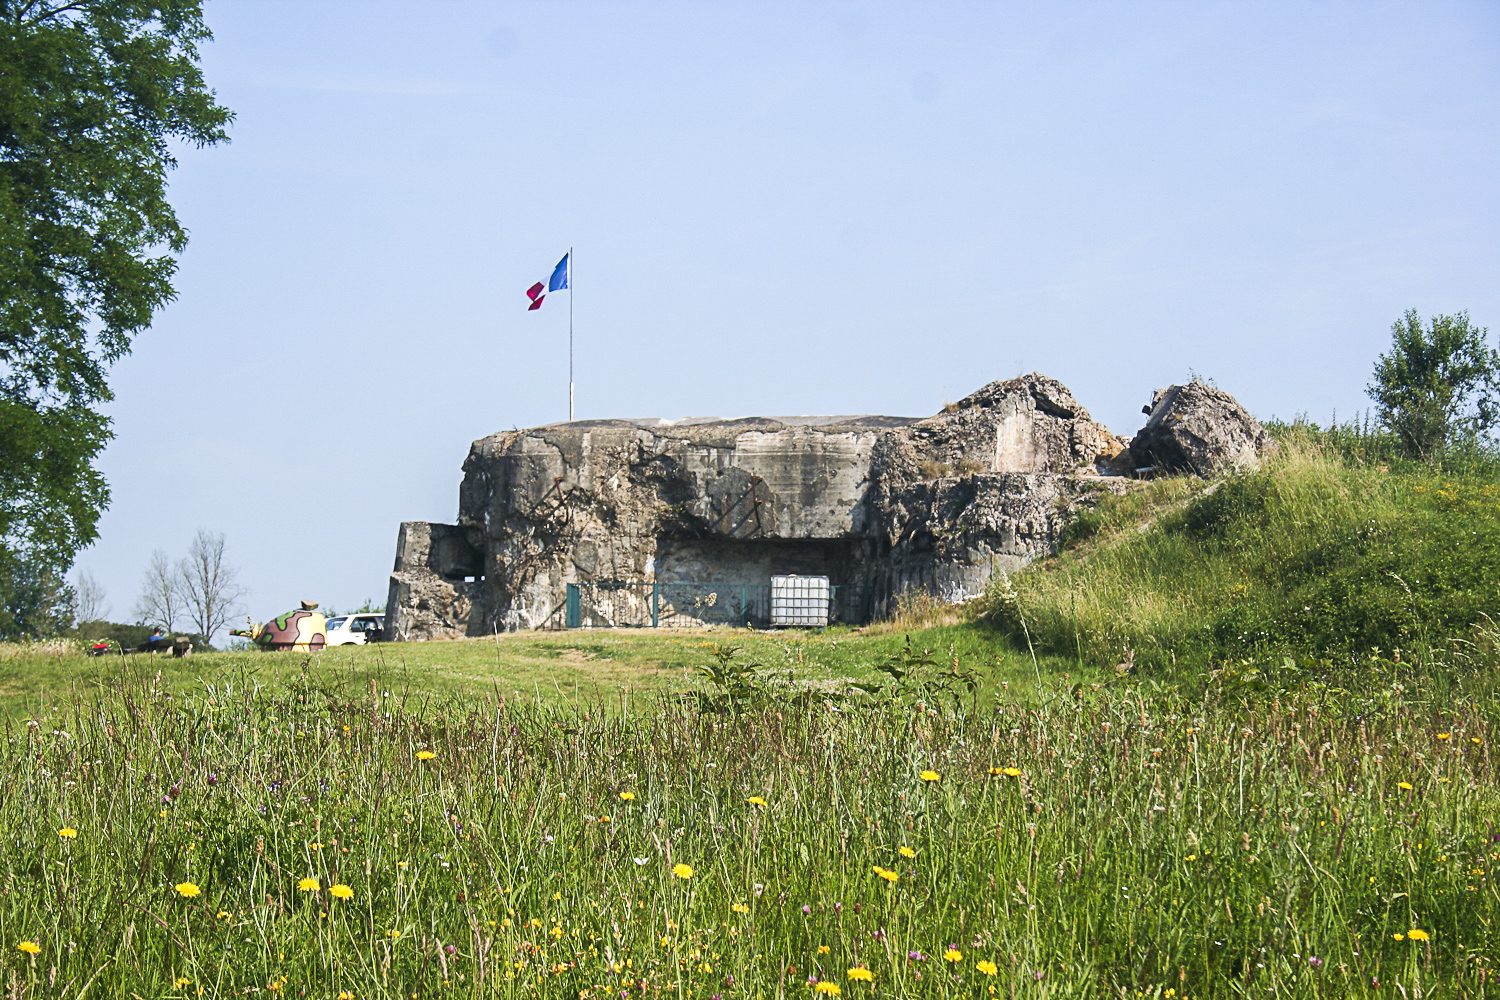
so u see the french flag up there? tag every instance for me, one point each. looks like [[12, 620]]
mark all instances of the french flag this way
[[559, 280]]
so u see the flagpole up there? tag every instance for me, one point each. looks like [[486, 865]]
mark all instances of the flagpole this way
[[570, 335]]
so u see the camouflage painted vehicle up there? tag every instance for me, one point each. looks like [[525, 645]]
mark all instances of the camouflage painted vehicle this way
[[304, 630]]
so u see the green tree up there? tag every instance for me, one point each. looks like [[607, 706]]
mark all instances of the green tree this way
[[92, 94], [35, 600], [1437, 385]]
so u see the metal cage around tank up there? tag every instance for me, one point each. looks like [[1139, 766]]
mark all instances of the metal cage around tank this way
[[686, 605]]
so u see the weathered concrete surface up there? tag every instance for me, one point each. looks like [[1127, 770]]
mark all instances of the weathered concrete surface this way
[[887, 502], [433, 587], [1200, 429], [951, 535]]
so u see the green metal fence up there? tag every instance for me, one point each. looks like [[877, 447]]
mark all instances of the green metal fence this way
[[653, 605]]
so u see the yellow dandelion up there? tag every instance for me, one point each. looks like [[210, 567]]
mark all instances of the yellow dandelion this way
[[187, 890], [906, 852], [931, 776], [309, 885], [1417, 935], [29, 947], [756, 800], [740, 908], [67, 833], [1398, 937], [342, 891], [886, 873], [861, 975], [683, 871], [953, 955], [987, 967], [828, 989], [425, 755], [1474, 739], [627, 796]]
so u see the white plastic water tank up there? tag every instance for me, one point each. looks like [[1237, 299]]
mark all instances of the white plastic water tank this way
[[799, 600]]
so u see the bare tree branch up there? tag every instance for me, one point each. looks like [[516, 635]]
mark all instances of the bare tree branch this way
[[88, 599], [46, 15], [160, 602], [209, 586]]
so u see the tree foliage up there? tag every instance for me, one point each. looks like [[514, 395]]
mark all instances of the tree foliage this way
[[1437, 385], [92, 95], [35, 599]]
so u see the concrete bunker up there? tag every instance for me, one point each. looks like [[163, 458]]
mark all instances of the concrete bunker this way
[[617, 522]]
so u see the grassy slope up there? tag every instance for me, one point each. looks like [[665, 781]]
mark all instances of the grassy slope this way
[[1313, 556]]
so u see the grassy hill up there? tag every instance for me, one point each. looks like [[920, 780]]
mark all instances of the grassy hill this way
[[1320, 554], [585, 814]]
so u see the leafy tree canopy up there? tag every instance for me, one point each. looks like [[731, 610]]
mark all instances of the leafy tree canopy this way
[[1437, 384], [92, 94]]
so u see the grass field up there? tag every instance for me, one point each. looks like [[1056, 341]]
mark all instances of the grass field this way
[[275, 834], [553, 667], [1147, 807]]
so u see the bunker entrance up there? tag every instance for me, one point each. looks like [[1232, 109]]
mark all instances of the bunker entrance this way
[[722, 581]]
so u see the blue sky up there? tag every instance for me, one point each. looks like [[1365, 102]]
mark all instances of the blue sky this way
[[776, 208]]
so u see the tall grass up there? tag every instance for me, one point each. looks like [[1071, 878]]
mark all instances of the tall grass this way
[[34, 649], [1315, 555], [1100, 841], [917, 609], [1363, 441]]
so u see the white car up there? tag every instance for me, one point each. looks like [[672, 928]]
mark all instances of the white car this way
[[354, 630]]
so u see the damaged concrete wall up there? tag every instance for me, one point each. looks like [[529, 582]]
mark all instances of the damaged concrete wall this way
[[433, 587], [886, 502]]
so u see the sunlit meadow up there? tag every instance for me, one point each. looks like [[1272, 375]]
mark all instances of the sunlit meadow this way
[[1109, 840]]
